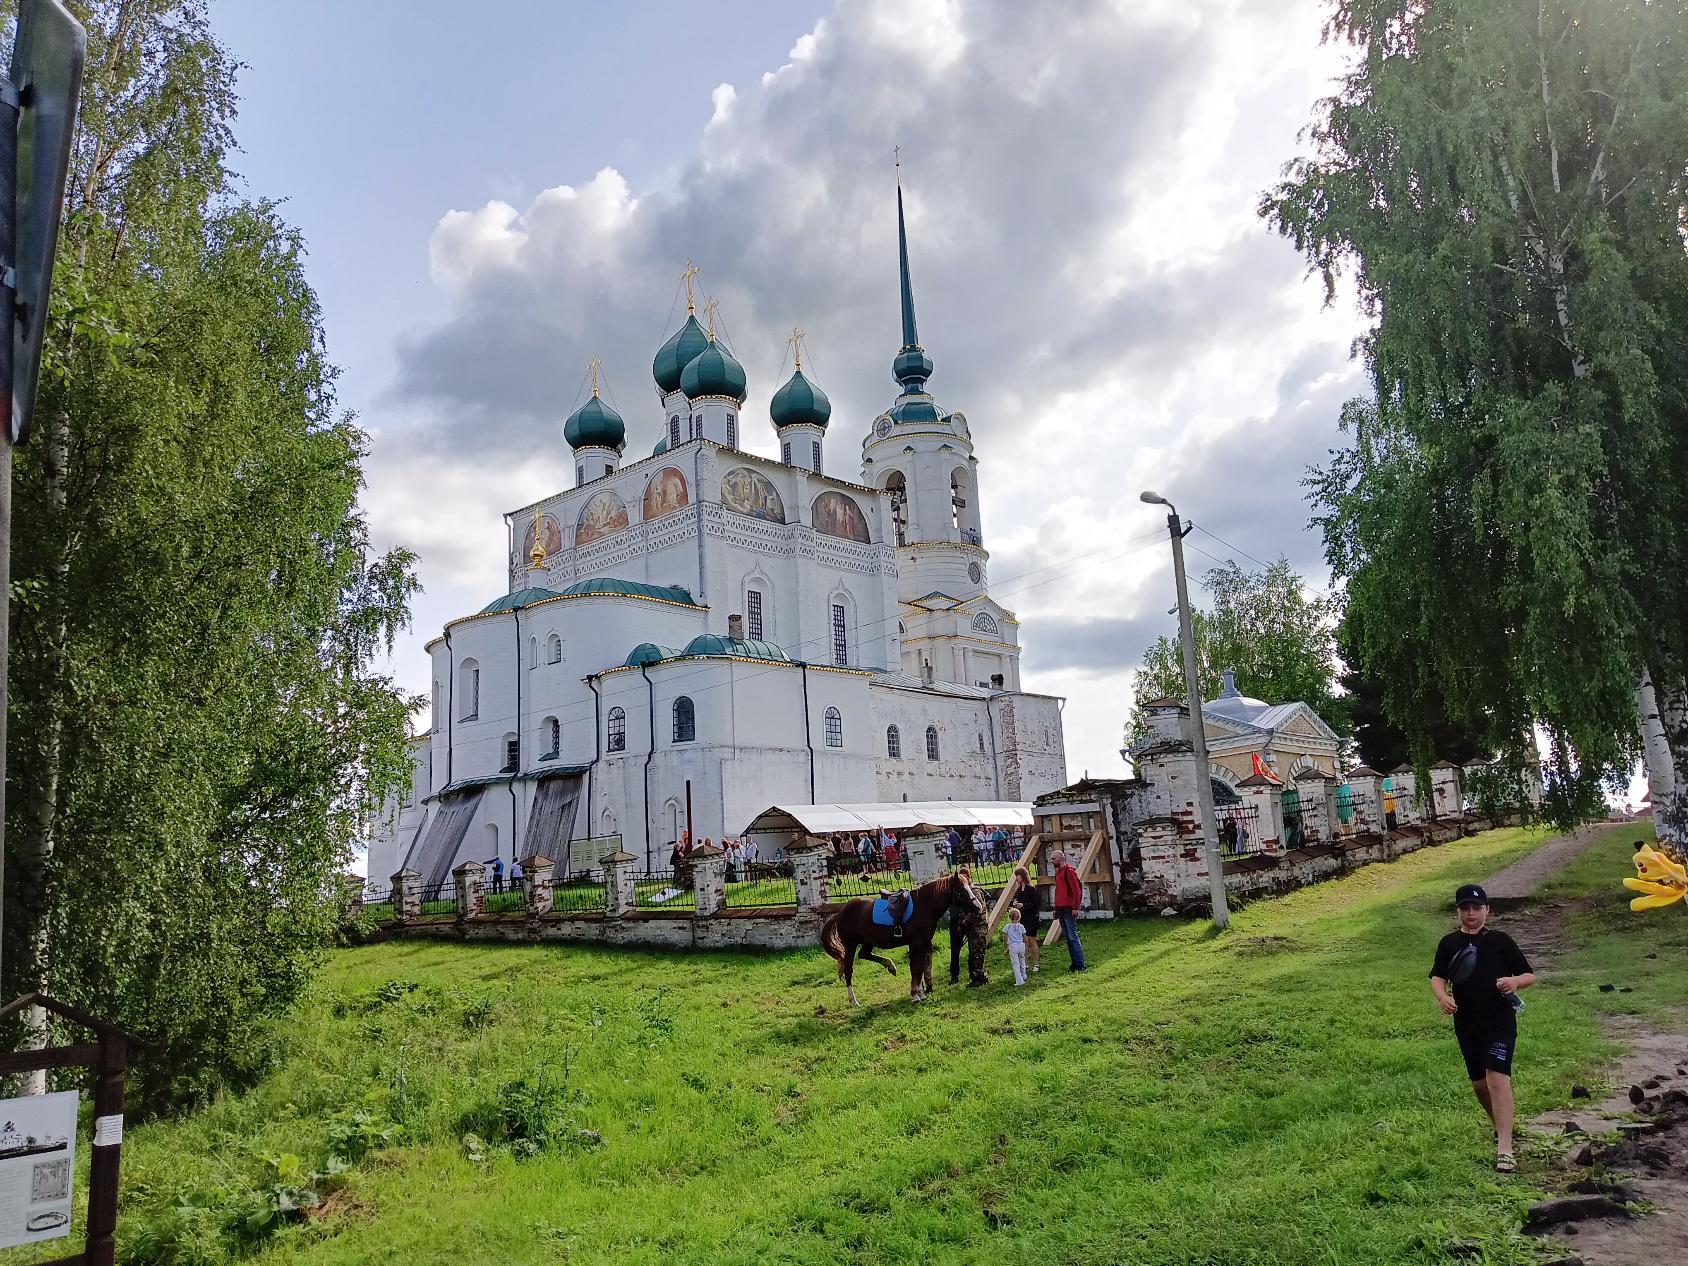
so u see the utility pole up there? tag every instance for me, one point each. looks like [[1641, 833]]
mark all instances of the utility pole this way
[[1198, 730]]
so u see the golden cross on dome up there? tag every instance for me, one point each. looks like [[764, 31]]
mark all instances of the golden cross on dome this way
[[594, 365], [796, 341], [709, 312], [686, 275]]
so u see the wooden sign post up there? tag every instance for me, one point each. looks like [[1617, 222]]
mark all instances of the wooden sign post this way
[[108, 1057]]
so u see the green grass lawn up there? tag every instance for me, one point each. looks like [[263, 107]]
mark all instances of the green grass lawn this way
[[1287, 1093]]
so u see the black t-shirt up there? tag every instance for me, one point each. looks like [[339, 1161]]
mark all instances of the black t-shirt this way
[[1031, 904], [1497, 955]]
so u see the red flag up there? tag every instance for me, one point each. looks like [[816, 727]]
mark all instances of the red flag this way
[[1261, 769]]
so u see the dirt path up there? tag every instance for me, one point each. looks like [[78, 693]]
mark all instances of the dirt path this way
[[1628, 1146], [1524, 877]]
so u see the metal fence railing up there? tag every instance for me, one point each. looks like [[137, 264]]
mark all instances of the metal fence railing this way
[[1239, 830], [511, 899], [577, 894], [376, 902], [761, 887], [661, 890], [440, 898]]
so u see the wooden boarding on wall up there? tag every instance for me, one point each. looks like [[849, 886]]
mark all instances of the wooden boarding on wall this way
[[1005, 898], [1086, 865]]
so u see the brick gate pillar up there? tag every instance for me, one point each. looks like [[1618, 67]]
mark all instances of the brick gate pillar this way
[[618, 884], [808, 869], [709, 880], [407, 896]]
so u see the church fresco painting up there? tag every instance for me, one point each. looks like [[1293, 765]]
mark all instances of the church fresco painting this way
[[604, 514], [665, 493], [550, 534], [746, 492], [837, 515]]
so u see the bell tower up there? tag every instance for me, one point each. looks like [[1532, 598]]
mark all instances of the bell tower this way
[[923, 458]]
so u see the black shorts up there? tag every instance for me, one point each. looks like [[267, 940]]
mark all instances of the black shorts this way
[[1488, 1049]]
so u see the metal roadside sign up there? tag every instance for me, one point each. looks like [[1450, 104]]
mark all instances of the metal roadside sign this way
[[46, 75]]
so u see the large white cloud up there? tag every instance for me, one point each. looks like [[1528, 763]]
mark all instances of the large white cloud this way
[[1091, 280]]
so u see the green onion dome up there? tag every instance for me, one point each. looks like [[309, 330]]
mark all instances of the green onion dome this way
[[678, 352], [800, 402], [714, 372], [661, 447], [595, 424]]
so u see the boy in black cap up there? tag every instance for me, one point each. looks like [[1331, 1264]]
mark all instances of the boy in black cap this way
[[1476, 978]]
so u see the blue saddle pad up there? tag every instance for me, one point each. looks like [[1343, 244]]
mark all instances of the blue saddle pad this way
[[882, 912]]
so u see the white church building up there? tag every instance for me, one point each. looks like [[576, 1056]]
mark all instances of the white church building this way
[[694, 636]]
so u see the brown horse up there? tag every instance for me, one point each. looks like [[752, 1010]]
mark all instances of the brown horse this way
[[852, 930]]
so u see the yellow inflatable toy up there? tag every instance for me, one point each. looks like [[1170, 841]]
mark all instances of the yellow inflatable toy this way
[[1662, 879]]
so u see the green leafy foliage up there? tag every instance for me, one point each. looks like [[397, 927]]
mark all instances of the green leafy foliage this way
[[1278, 637], [198, 735], [1502, 182], [527, 1116]]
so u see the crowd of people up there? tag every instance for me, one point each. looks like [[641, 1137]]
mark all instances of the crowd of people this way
[[881, 851], [743, 856]]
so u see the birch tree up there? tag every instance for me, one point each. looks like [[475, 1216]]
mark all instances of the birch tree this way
[[1502, 184], [196, 728]]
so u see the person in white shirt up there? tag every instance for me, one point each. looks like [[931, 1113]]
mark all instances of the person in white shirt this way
[[1014, 936]]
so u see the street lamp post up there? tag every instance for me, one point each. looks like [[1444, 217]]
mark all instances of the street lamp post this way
[[1198, 731]]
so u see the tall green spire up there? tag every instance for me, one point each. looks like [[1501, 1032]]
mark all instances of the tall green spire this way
[[911, 337], [911, 367]]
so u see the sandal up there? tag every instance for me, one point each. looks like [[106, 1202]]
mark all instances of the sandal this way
[[1504, 1164]]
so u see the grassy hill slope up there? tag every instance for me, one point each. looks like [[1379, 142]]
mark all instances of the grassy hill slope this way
[[1288, 1093]]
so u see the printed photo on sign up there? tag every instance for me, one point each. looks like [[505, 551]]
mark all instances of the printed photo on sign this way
[[37, 1165]]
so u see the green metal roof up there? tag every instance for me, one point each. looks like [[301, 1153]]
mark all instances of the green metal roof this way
[[521, 598], [595, 423], [714, 372], [629, 588], [800, 402], [678, 352], [746, 648], [648, 653]]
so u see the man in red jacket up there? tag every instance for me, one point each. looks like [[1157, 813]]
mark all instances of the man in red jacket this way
[[1069, 895]]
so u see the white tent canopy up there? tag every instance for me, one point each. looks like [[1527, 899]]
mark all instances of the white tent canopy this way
[[823, 819]]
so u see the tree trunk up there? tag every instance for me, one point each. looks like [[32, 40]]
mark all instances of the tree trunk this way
[[1661, 773], [1670, 815], [33, 850]]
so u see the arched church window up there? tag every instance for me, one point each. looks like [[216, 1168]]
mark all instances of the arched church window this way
[[785, 452], [553, 649], [732, 430], [893, 743], [553, 738], [834, 728], [580, 472], [815, 454], [685, 720], [897, 486], [617, 738], [753, 614], [674, 431], [469, 689], [985, 624], [931, 742], [533, 652], [512, 754], [840, 635]]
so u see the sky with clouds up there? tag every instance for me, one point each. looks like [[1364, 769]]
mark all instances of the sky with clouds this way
[[489, 205]]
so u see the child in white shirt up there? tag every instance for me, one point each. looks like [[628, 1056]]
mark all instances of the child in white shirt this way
[[1014, 935]]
